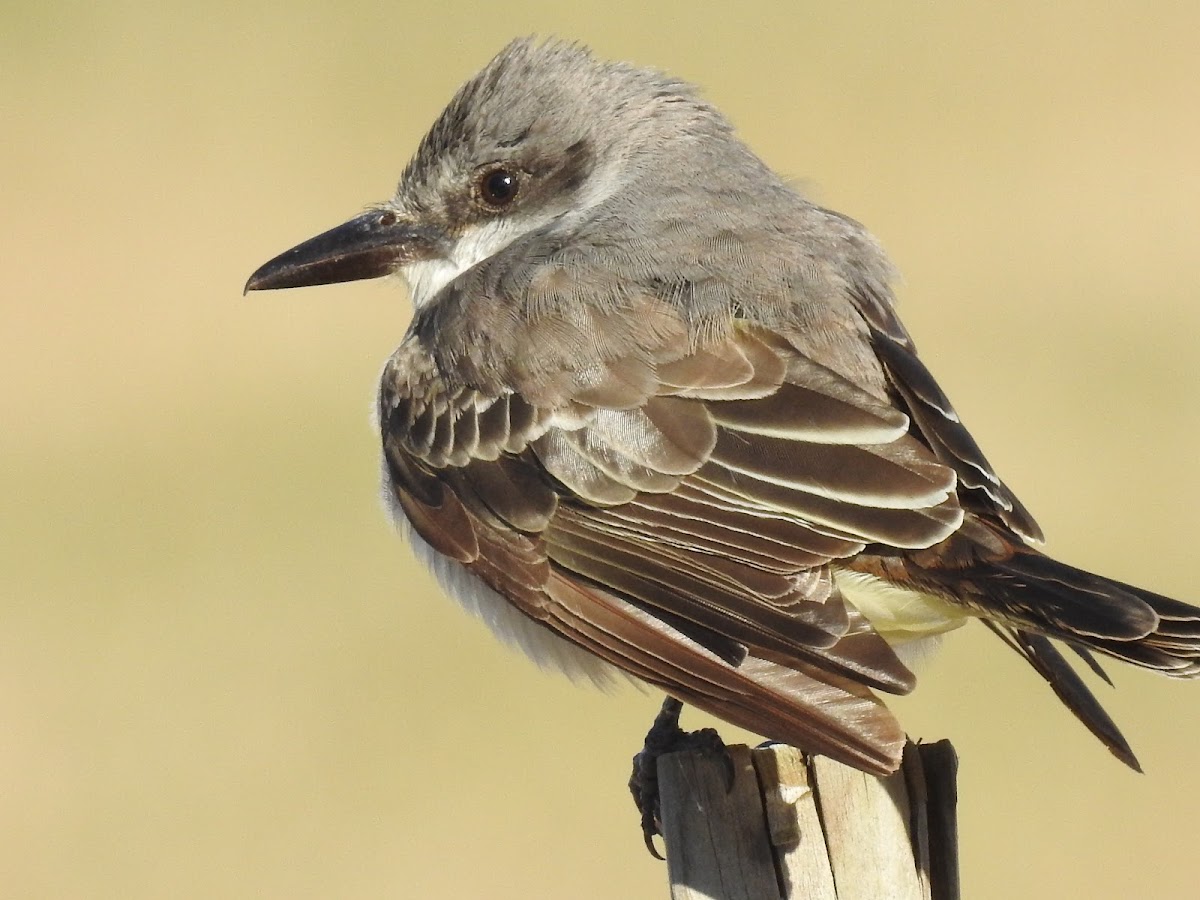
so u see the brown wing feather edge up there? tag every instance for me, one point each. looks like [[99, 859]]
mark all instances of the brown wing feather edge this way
[[800, 703], [821, 712]]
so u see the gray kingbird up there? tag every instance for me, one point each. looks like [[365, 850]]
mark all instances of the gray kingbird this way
[[655, 411]]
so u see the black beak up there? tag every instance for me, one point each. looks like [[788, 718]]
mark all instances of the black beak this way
[[368, 246]]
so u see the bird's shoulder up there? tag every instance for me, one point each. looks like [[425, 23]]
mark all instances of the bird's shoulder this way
[[610, 395]]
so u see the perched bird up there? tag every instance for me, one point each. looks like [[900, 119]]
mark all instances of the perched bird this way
[[655, 411]]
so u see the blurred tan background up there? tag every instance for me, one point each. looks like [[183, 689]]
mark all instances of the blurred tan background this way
[[221, 674]]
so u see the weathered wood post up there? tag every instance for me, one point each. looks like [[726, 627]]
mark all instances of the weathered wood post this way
[[794, 827]]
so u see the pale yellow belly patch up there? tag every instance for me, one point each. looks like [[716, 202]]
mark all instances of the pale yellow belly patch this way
[[898, 614]]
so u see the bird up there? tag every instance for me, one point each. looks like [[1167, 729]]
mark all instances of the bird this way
[[655, 414]]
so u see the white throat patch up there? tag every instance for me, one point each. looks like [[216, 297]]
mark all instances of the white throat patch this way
[[427, 278]]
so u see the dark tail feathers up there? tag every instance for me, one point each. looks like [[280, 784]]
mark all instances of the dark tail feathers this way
[[1138, 626], [1030, 598]]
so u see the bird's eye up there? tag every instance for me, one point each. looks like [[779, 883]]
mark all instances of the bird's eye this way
[[498, 187]]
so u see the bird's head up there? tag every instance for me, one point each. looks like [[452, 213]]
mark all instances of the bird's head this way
[[539, 139]]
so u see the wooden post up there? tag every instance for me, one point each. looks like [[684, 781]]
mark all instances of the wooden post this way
[[792, 827]]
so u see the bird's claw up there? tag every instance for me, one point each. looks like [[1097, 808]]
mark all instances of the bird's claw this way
[[665, 736]]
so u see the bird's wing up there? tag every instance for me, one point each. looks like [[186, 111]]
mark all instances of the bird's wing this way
[[673, 505]]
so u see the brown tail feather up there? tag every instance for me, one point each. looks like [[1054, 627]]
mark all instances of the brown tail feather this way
[[1040, 653], [1135, 625]]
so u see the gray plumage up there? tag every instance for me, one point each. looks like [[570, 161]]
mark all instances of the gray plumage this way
[[657, 405]]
